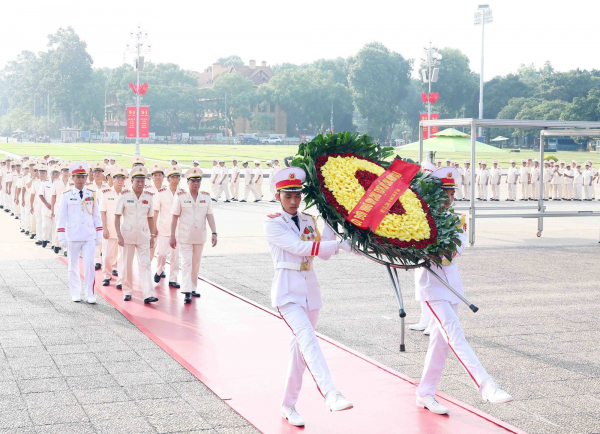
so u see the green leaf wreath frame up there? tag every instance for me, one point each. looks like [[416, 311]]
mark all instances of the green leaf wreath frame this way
[[428, 188]]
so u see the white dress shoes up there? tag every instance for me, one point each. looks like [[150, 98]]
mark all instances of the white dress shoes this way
[[336, 402], [492, 393], [430, 403], [91, 300], [289, 412], [76, 298], [418, 327]]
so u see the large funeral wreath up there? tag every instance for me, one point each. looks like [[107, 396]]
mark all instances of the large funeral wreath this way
[[341, 167]]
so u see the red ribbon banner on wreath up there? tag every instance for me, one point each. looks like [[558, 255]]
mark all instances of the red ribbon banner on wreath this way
[[382, 195]]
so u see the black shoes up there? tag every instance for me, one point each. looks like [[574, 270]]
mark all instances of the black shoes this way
[[188, 297], [156, 278], [234, 200], [22, 230], [272, 201], [174, 285], [120, 287], [257, 200], [150, 300], [115, 273], [227, 201], [162, 275], [38, 243], [127, 298], [106, 282], [26, 232], [97, 266], [195, 294], [32, 236], [45, 243], [56, 249], [214, 200], [242, 200]]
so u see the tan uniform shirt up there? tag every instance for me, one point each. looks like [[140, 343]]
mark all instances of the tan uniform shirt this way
[[134, 214], [191, 227], [108, 204], [163, 203]]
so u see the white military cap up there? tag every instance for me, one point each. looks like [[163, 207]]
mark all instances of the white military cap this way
[[105, 158], [80, 168], [495, 161], [484, 162], [561, 162], [173, 170], [275, 159], [545, 162], [427, 167], [244, 162], [138, 160], [222, 161], [193, 173], [578, 164], [447, 175], [138, 172], [523, 160], [112, 159], [587, 163], [175, 160], [156, 167], [55, 168], [438, 161], [98, 165], [214, 159], [290, 179], [256, 161], [118, 171], [466, 161], [536, 161], [234, 159], [269, 163], [41, 167], [195, 161], [448, 160]]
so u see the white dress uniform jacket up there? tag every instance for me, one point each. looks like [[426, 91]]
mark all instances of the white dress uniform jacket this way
[[430, 288], [290, 245], [79, 218]]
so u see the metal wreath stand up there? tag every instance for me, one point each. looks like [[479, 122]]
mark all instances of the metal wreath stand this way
[[392, 270]]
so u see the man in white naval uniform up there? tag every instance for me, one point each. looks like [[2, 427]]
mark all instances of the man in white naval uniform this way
[[578, 182], [223, 181], [467, 184], [535, 180], [460, 181], [484, 180], [234, 183], [294, 241], [446, 332], [547, 179], [495, 181], [556, 183], [525, 179], [214, 174], [80, 228]]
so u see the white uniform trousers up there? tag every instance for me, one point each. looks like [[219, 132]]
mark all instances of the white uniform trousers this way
[[556, 191], [98, 255], [87, 252], [512, 191], [258, 188], [25, 216], [578, 191], [569, 191], [250, 188], [467, 190], [39, 221], [273, 191], [524, 191], [234, 189], [305, 352], [533, 190], [589, 191], [447, 334], [546, 189], [223, 189], [190, 265], [484, 192], [144, 269], [48, 227], [162, 248], [495, 191], [214, 188], [110, 257], [479, 193]]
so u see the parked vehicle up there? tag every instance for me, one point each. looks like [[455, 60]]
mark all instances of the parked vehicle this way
[[561, 144], [249, 141], [273, 140]]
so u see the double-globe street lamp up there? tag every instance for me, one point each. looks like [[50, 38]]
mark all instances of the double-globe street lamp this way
[[138, 44]]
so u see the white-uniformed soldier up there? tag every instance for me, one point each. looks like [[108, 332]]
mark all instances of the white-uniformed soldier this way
[[248, 182], [535, 180], [524, 179], [494, 181], [578, 182], [163, 216], [28, 220], [547, 179], [484, 180], [214, 174], [16, 177], [512, 176], [467, 184], [258, 180], [446, 332], [134, 232], [223, 181], [234, 183], [568, 176], [58, 188], [79, 229], [276, 168], [49, 223], [98, 184], [460, 181], [43, 191], [588, 177], [191, 210], [556, 183], [112, 253], [3, 174], [295, 241]]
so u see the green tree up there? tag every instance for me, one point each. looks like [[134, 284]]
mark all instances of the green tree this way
[[230, 60], [262, 123], [583, 109], [499, 91], [379, 79], [240, 96]]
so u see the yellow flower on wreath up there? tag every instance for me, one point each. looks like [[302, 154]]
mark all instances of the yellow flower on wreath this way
[[339, 174]]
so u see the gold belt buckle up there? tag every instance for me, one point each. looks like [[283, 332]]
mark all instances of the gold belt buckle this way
[[304, 266]]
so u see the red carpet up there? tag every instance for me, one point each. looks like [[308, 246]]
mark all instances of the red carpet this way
[[240, 350]]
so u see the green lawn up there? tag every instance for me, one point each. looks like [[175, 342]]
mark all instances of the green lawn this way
[[184, 153], [205, 153]]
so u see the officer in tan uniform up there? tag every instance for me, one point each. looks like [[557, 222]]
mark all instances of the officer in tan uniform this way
[[163, 206], [134, 233], [234, 183], [191, 210], [135, 162], [112, 253], [98, 184]]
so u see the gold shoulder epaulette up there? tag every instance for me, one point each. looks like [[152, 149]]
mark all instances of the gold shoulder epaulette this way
[[66, 191]]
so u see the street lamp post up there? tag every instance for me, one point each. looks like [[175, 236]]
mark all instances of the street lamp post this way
[[430, 73], [483, 16], [138, 44], [225, 116]]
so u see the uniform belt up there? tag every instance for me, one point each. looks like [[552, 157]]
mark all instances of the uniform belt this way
[[297, 266]]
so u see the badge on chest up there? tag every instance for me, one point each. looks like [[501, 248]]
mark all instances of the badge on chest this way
[[309, 234]]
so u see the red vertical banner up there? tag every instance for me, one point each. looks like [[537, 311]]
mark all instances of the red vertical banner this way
[[144, 122], [424, 117], [434, 130], [131, 121]]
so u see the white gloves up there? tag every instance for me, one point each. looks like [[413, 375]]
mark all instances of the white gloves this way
[[345, 245], [98, 241], [63, 242]]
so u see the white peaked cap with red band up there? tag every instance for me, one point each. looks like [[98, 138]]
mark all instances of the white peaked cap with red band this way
[[447, 175], [290, 179], [427, 167], [80, 168]]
